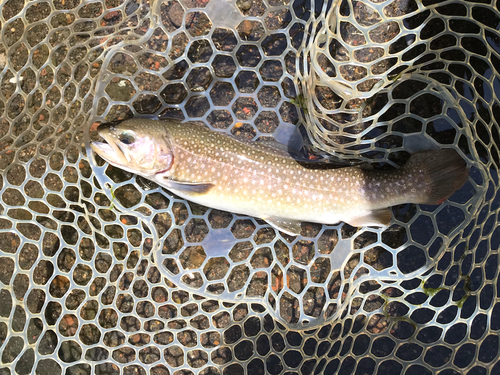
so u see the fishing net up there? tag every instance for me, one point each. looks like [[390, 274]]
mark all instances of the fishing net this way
[[104, 272]]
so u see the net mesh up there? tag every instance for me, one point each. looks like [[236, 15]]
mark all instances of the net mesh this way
[[104, 272]]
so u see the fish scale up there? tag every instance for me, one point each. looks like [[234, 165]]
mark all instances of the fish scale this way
[[219, 171]]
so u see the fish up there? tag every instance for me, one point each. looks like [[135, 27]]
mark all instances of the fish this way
[[219, 171]]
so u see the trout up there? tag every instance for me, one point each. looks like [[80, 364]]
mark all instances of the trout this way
[[215, 170]]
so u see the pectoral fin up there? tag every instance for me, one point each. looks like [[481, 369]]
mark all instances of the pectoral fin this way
[[291, 227], [377, 218], [188, 187]]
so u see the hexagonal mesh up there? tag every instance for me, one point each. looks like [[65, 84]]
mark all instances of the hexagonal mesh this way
[[104, 272]]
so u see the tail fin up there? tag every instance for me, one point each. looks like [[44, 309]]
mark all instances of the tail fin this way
[[442, 171]]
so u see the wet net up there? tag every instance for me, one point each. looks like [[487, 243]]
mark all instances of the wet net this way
[[103, 272]]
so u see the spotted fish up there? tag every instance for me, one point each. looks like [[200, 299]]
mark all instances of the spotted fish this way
[[216, 170]]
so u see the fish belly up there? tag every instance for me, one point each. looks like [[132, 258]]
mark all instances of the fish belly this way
[[282, 189]]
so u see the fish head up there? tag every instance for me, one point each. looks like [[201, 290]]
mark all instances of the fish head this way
[[137, 146]]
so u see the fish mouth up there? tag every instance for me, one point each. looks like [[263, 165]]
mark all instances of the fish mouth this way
[[110, 151]]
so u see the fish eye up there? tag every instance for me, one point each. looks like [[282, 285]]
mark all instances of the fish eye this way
[[127, 137]]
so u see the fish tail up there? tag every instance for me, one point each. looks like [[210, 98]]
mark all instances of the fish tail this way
[[437, 174]]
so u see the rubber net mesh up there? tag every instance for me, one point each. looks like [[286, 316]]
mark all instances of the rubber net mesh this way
[[103, 272]]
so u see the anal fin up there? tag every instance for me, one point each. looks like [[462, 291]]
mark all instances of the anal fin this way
[[188, 187], [377, 218], [288, 226]]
